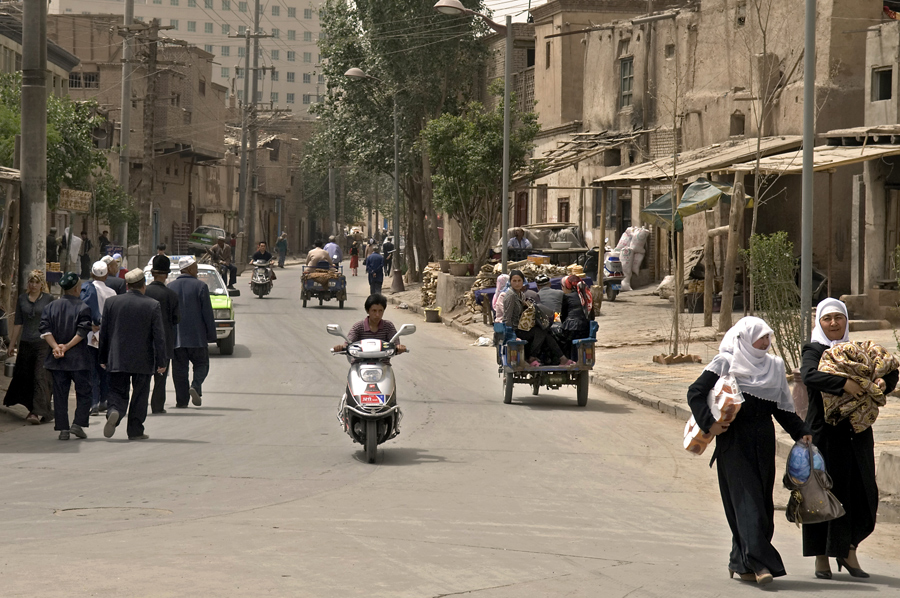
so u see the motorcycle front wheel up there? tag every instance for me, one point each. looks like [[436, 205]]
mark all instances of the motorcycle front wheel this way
[[371, 440]]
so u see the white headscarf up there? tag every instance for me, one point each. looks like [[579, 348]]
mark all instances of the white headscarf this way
[[502, 287], [825, 307], [756, 371]]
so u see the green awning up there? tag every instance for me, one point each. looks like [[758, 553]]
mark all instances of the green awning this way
[[697, 197]]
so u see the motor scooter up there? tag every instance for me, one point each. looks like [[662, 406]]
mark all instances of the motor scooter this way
[[261, 280], [369, 412], [613, 273]]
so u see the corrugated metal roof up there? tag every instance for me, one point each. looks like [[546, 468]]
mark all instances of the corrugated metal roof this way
[[571, 151], [719, 156]]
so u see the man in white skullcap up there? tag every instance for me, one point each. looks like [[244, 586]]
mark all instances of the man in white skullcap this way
[[112, 281], [193, 333], [94, 293]]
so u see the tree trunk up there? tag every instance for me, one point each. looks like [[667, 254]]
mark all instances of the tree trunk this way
[[9, 255], [435, 248], [735, 231]]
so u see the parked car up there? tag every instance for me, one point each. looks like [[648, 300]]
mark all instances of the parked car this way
[[203, 237], [223, 308]]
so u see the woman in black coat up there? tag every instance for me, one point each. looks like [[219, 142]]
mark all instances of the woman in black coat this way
[[577, 311], [849, 457], [745, 449]]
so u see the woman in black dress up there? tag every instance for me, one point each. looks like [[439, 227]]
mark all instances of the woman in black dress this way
[[576, 314], [849, 457], [31, 384], [745, 449]]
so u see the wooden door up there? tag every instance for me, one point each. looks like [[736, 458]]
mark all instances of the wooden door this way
[[562, 214], [521, 215], [891, 232]]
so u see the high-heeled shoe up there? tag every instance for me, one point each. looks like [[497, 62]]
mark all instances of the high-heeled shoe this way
[[763, 577], [742, 576], [853, 571], [823, 574]]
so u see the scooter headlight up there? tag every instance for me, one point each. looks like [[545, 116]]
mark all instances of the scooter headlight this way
[[371, 374]]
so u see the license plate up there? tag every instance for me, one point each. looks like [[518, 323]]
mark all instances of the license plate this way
[[371, 399], [615, 287]]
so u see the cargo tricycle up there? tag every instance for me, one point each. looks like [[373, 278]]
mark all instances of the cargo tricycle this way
[[324, 282]]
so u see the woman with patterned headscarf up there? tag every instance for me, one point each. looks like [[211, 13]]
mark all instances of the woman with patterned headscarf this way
[[745, 448], [849, 456], [577, 312], [31, 384]]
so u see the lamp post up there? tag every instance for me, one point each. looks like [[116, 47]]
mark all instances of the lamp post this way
[[397, 281], [455, 7]]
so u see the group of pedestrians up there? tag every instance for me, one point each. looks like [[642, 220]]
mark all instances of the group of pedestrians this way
[[745, 448], [111, 337]]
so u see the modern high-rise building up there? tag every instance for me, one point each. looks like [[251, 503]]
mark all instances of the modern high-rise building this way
[[296, 81]]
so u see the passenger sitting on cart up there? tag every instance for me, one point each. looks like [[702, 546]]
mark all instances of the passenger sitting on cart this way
[[577, 312], [373, 326], [317, 255], [538, 338]]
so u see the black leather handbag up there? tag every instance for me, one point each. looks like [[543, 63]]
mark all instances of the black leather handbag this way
[[812, 501]]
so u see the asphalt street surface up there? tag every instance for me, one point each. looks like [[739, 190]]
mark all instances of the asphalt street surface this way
[[259, 492]]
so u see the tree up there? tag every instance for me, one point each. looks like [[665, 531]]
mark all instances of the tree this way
[[72, 158], [466, 153], [425, 62]]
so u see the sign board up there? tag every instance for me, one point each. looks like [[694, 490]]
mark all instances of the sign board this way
[[112, 250], [71, 200]]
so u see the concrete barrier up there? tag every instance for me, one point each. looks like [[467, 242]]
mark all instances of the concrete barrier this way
[[450, 290]]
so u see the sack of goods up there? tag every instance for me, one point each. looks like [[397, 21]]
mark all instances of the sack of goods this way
[[724, 402], [810, 485]]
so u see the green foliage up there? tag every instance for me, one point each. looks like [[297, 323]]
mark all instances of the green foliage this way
[[772, 269], [466, 153], [71, 155], [113, 205]]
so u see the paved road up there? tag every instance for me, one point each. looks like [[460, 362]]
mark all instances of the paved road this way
[[259, 493]]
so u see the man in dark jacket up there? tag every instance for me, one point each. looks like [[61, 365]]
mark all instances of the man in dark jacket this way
[[64, 326], [132, 349], [168, 303], [194, 332]]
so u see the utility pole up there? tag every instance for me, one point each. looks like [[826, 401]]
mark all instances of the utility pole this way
[[145, 201], [245, 115], [254, 132], [121, 235], [332, 214], [33, 211], [809, 139]]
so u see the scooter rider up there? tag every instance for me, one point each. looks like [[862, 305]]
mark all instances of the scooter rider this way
[[263, 254], [373, 326], [221, 255]]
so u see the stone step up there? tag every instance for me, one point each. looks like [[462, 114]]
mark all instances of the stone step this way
[[860, 325]]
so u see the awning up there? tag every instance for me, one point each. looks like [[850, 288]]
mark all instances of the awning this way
[[712, 158], [698, 196], [825, 157]]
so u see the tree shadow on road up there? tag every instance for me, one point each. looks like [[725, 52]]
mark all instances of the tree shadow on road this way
[[402, 456], [835, 588]]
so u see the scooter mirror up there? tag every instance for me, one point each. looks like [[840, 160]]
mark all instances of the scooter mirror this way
[[407, 329], [335, 330]]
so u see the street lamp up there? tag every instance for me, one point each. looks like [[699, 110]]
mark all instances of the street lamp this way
[[455, 7], [397, 282]]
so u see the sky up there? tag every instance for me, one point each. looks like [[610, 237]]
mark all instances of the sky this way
[[517, 8]]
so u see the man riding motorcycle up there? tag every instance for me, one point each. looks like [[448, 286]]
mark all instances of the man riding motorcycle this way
[[221, 257]]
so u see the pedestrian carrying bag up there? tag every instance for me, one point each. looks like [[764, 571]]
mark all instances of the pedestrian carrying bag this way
[[724, 402], [811, 500]]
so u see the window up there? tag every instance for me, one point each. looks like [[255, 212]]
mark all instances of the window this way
[[226, 4], [612, 201], [192, 3], [276, 33], [242, 29], [562, 209], [737, 124], [173, 23], [173, 2], [292, 13], [307, 13], [542, 202], [240, 94], [670, 51], [740, 14], [207, 27], [290, 98], [307, 57], [259, 96], [276, 11], [241, 51], [242, 7], [208, 48], [260, 74], [273, 97], [154, 2], [291, 56], [139, 19], [321, 79], [626, 81], [598, 204], [226, 72], [292, 35], [276, 54], [192, 26], [226, 29], [274, 75], [208, 4], [306, 98], [547, 55], [882, 83], [307, 78], [238, 72], [226, 51], [307, 36]]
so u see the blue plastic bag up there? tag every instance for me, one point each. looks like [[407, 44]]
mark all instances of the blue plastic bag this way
[[798, 462]]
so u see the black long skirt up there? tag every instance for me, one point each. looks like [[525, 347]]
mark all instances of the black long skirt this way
[[31, 385], [745, 461]]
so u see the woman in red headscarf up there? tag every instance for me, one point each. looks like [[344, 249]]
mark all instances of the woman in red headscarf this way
[[577, 312]]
